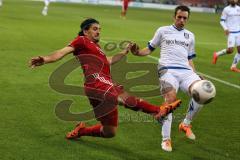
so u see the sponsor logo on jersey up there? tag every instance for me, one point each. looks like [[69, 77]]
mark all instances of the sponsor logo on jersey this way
[[177, 42], [168, 32]]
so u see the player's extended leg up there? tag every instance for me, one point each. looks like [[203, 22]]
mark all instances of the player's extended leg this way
[[136, 104], [106, 112], [166, 144], [0, 3], [168, 88], [193, 107], [185, 126], [236, 60], [216, 55], [230, 47]]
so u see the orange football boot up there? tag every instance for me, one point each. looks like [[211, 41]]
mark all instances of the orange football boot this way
[[74, 134], [188, 131], [165, 109], [215, 57], [235, 69]]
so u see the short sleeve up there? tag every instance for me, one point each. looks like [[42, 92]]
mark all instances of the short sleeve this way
[[77, 43], [155, 42], [224, 15]]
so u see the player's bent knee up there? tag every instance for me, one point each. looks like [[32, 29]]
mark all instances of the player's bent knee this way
[[170, 97], [109, 134], [171, 100], [109, 131]]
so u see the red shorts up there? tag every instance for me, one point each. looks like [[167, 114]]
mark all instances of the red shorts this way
[[103, 98], [109, 118], [125, 4]]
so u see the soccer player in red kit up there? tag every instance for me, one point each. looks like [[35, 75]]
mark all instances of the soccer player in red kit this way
[[124, 8], [104, 95]]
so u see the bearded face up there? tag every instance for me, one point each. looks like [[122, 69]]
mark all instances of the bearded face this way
[[233, 2]]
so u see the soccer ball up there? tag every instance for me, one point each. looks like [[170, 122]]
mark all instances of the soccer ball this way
[[203, 91]]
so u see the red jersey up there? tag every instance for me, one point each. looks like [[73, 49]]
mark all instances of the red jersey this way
[[92, 58], [96, 68], [98, 86]]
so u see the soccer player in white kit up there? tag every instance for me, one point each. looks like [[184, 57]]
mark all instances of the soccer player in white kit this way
[[176, 69], [45, 8], [230, 21]]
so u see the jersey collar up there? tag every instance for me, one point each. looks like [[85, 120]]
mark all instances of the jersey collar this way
[[179, 29], [233, 6]]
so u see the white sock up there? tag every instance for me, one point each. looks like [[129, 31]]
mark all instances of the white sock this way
[[193, 109], [236, 59], [166, 127], [45, 10], [222, 52]]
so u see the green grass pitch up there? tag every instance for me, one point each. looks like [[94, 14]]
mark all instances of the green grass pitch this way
[[29, 127]]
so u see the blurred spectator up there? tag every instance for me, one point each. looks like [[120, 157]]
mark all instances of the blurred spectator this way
[[45, 8], [194, 3], [125, 4]]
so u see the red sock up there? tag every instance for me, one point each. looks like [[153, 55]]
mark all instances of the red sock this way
[[147, 107], [94, 131], [136, 104]]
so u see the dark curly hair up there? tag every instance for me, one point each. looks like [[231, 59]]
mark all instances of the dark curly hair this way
[[86, 24]]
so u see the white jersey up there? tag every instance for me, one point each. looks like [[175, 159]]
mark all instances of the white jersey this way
[[177, 47], [230, 19], [46, 2]]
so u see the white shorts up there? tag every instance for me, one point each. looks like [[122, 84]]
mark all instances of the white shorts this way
[[178, 78], [233, 39]]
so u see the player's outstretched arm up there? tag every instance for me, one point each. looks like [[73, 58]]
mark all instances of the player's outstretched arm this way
[[55, 56], [192, 65], [226, 32], [117, 57], [139, 52]]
